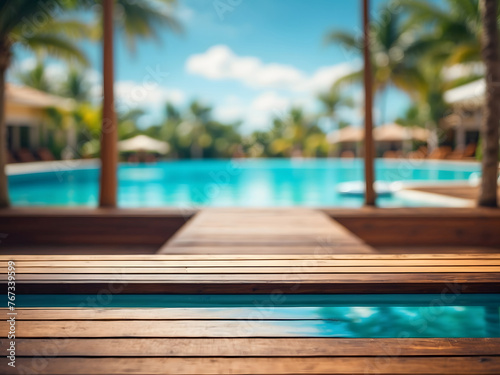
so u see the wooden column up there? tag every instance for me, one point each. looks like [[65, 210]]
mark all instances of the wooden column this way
[[109, 134], [368, 142]]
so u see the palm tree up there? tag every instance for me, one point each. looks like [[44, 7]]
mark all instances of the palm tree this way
[[295, 134], [19, 24], [137, 20], [394, 51], [456, 28], [491, 121], [36, 77], [333, 101], [76, 85], [199, 119], [17, 27], [460, 30]]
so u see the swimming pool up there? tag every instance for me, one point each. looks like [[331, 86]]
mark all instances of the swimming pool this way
[[328, 315], [246, 182]]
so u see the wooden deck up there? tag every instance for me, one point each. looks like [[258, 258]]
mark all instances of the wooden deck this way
[[264, 231], [456, 191], [259, 252], [99, 340]]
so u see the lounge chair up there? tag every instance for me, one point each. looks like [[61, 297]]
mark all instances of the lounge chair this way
[[390, 155], [468, 153], [10, 158], [25, 156], [440, 153], [45, 154], [347, 154]]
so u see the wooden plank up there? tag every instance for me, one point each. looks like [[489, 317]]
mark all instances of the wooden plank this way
[[237, 256], [250, 270], [255, 263], [259, 284], [171, 313], [256, 347], [358, 278], [275, 312], [337, 365], [58, 287], [175, 328]]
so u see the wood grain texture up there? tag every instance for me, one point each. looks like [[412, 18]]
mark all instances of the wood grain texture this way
[[244, 256], [285, 270], [334, 365], [257, 347], [157, 262]]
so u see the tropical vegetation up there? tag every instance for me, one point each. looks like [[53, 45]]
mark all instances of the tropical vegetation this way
[[45, 28]]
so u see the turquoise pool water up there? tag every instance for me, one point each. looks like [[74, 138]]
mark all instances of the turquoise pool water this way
[[256, 182], [374, 316]]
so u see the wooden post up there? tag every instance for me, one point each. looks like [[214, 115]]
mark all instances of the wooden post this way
[[109, 134], [368, 142]]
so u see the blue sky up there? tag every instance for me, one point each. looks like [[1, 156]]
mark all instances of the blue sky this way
[[251, 62]]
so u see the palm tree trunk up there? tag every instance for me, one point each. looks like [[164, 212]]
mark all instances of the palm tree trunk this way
[[109, 133], [4, 64], [491, 121], [370, 196]]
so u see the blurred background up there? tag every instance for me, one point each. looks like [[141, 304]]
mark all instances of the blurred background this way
[[205, 79]]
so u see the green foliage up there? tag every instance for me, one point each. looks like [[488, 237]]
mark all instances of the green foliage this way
[[36, 77]]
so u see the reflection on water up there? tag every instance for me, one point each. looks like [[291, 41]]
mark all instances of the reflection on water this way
[[423, 321], [376, 316]]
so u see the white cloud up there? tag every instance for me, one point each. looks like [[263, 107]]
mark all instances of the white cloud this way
[[325, 76], [133, 94], [271, 101], [259, 113], [220, 62]]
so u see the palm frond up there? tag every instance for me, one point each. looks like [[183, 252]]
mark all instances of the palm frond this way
[[410, 81], [349, 79], [422, 11], [56, 46], [70, 28], [345, 39], [467, 52], [25, 16], [463, 81], [142, 19]]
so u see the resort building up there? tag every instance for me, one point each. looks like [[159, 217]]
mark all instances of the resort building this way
[[467, 112], [28, 122]]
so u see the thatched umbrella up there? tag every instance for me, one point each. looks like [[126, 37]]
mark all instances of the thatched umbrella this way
[[346, 135], [143, 143], [398, 133]]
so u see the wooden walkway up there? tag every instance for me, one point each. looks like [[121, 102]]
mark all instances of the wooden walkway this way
[[268, 253], [264, 231]]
